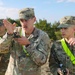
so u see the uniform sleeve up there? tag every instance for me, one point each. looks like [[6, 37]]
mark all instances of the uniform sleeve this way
[[38, 50], [52, 62], [5, 43]]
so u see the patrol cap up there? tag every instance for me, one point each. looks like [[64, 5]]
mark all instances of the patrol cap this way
[[1, 23], [67, 21], [26, 13]]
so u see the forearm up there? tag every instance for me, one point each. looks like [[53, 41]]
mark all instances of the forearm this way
[[38, 51], [53, 64], [5, 43], [53, 69], [39, 56]]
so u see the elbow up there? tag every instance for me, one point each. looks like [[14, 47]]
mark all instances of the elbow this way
[[41, 60]]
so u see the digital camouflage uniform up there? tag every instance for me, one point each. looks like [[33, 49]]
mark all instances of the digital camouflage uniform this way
[[3, 57], [62, 57], [20, 63], [57, 50]]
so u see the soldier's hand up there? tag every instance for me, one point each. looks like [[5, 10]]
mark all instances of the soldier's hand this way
[[61, 73], [10, 27], [22, 41], [71, 41]]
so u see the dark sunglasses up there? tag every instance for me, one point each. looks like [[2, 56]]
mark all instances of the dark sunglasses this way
[[64, 28]]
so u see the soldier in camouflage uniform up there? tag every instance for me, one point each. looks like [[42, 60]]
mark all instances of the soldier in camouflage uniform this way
[[58, 55], [29, 47], [2, 29], [3, 57]]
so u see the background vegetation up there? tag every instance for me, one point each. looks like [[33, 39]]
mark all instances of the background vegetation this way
[[50, 29]]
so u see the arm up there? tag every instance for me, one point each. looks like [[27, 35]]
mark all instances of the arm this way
[[5, 43], [52, 62], [38, 49]]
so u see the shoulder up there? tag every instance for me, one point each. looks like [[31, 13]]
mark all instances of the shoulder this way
[[43, 35], [56, 44]]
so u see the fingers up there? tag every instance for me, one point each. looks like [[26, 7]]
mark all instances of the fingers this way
[[59, 71], [22, 41], [9, 26], [14, 25], [67, 71], [71, 41], [6, 22]]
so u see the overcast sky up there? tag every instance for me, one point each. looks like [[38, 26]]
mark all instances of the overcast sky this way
[[51, 10]]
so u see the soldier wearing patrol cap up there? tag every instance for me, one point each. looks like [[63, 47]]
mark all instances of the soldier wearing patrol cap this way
[[29, 49], [3, 57], [2, 29], [62, 58]]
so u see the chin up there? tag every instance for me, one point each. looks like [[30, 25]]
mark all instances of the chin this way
[[63, 37]]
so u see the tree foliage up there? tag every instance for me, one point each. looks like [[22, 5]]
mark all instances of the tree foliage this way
[[50, 29]]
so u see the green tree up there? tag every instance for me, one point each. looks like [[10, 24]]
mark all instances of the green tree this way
[[45, 26], [56, 30], [14, 21]]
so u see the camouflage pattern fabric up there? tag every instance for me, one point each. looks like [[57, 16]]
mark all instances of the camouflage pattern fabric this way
[[4, 59], [20, 63], [62, 57], [26, 13], [67, 21]]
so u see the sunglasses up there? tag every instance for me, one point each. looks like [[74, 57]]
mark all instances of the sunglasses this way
[[64, 28]]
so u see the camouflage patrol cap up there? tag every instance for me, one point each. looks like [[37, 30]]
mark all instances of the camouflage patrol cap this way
[[67, 21], [1, 23], [26, 13]]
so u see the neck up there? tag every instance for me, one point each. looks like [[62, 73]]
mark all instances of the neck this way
[[69, 37], [31, 31], [66, 39]]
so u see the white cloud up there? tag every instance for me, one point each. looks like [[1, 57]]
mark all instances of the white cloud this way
[[60, 1], [8, 13], [1, 3], [71, 0], [65, 1]]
